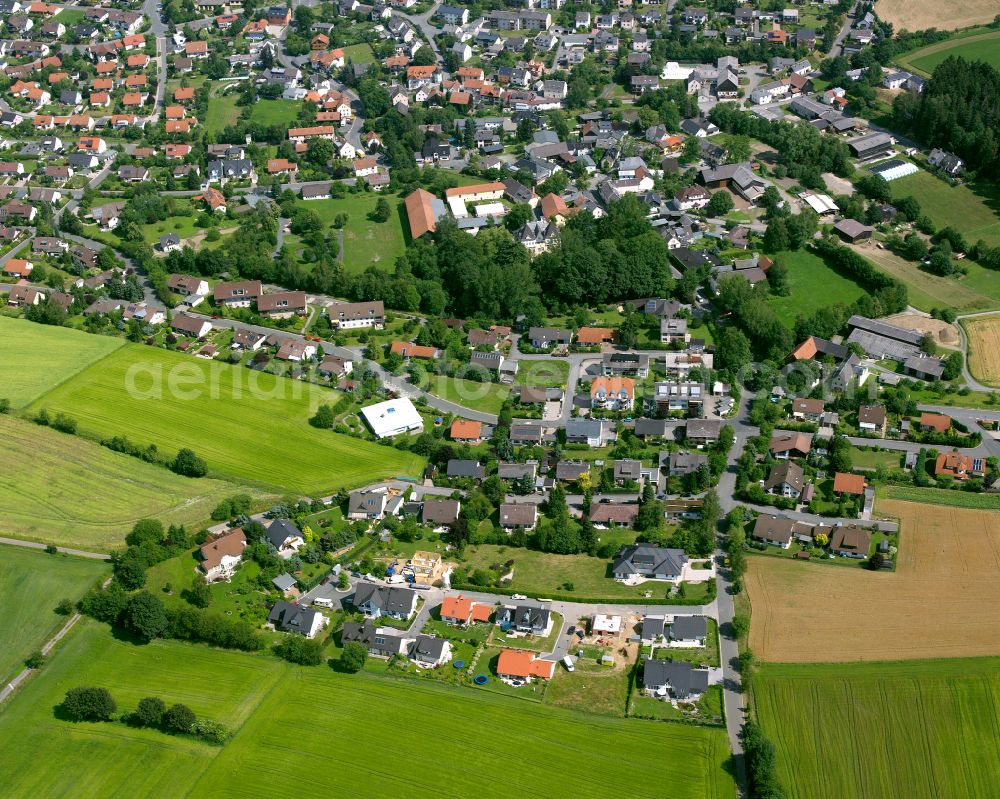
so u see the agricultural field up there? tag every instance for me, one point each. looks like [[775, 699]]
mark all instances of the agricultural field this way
[[812, 285], [551, 373], [984, 348], [925, 291], [248, 426], [35, 358], [485, 397], [32, 583], [915, 730], [946, 15], [75, 493], [365, 243], [970, 208], [941, 601], [263, 699], [938, 496], [981, 46]]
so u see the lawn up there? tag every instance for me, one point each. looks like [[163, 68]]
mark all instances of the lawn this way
[[970, 209], [869, 459], [222, 111], [550, 372], [591, 687], [72, 492], [979, 47], [543, 574], [275, 112], [366, 243], [183, 226], [940, 496], [813, 285], [251, 426], [35, 358], [485, 397], [918, 730], [32, 583], [69, 16], [359, 53]]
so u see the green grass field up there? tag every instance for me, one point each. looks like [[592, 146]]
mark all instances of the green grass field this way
[[366, 243], [275, 112], [940, 496], [75, 493], [813, 285], [222, 111], [485, 397], [183, 226], [32, 583], [289, 720], [35, 358], [250, 426], [970, 209], [359, 53], [868, 459], [551, 373], [979, 47], [902, 730]]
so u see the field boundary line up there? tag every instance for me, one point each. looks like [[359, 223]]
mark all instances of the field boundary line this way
[[905, 60], [75, 374]]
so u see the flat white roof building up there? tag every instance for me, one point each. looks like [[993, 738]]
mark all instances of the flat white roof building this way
[[607, 624], [821, 203], [392, 417]]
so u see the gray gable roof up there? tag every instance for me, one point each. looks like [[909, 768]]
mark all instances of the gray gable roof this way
[[649, 559], [387, 599], [682, 678], [687, 627], [280, 530], [429, 647], [291, 618]]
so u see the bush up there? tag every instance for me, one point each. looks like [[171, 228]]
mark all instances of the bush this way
[[65, 607], [354, 657], [179, 718], [35, 660], [149, 712], [188, 464], [211, 731], [89, 704], [64, 423], [301, 650]]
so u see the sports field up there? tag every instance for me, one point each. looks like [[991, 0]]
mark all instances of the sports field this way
[[75, 493], [412, 737], [941, 601], [914, 730], [944, 15], [248, 426], [977, 47], [969, 208], [32, 583], [984, 348], [35, 358], [812, 285]]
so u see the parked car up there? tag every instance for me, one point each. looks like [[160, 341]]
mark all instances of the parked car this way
[[568, 663], [518, 596]]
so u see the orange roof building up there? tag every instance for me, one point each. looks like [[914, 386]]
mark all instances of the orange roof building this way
[[960, 467], [183, 93], [554, 207], [466, 430], [136, 81], [213, 198], [137, 61], [846, 483], [462, 610], [594, 335], [409, 350], [518, 664], [175, 112], [937, 422], [420, 212]]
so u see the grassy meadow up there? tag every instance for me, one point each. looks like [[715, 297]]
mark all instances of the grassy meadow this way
[[812, 285], [981, 45], [248, 426], [35, 358], [485, 397], [896, 730], [75, 493], [291, 725], [32, 583], [940, 496], [970, 209], [549, 373]]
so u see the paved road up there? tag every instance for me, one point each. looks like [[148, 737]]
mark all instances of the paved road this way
[[838, 43], [80, 553]]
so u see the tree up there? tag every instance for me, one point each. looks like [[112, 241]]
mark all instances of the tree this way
[[382, 210], [319, 151], [776, 237], [741, 625], [733, 349], [145, 616], [876, 561], [130, 573], [301, 650], [720, 204], [324, 417], [777, 279], [89, 704], [149, 712], [760, 763], [840, 455], [35, 660], [200, 594], [188, 464], [179, 719], [354, 657]]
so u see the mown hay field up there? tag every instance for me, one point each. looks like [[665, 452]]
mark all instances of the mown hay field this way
[[250, 427], [914, 15], [984, 348], [318, 733], [914, 730], [942, 600]]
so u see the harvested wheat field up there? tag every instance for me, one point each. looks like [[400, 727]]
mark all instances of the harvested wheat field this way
[[943, 600], [945, 335], [944, 15], [984, 348]]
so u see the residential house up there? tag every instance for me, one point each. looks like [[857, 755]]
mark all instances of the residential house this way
[[593, 432], [851, 541], [647, 561], [460, 611], [519, 667], [612, 393], [441, 512], [381, 642], [221, 556], [787, 444], [872, 419], [958, 466], [679, 680], [785, 480], [375, 601], [285, 537], [291, 618], [518, 516]]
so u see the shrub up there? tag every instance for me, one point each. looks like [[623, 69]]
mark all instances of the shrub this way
[[35, 660], [149, 712], [211, 731], [89, 704], [65, 607], [354, 657], [301, 650], [179, 718], [188, 464]]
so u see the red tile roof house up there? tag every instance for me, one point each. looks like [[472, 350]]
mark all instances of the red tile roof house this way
[[282, 304], [850, 484], [241, 294], [461, 611], [958, 466], [935, 422], [518, 667], [219, 558]]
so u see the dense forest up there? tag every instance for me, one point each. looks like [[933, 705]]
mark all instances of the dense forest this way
[[958, 111]]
